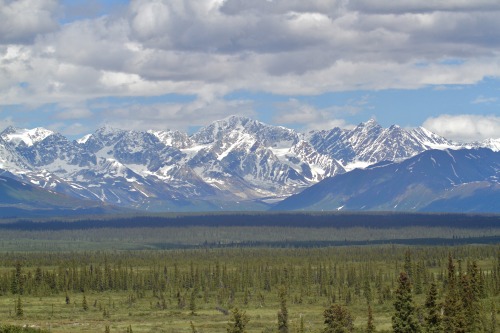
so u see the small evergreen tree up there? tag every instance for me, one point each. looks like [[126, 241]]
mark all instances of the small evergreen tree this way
[[433, 317], [16, 286], [405, 319], [85, 306], [238, 321], [408, 265], [370, 326], [367, 291], [493, 320], [453, 315], [192, 301], [470, 298], [19, 308], [283, 313], [338, 320]]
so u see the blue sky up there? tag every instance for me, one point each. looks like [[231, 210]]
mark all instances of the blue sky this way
[[73, 66]]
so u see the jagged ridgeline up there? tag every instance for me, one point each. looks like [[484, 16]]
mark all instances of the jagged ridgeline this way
[[233, 164]]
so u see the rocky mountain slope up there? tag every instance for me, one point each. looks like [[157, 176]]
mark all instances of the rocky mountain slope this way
[[370, 143], [26, 200], [465, 180], [232, 164]]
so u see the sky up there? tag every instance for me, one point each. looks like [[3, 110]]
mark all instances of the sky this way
[[73, 66]]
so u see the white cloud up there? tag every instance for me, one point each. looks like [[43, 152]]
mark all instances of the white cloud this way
[[164, 116], [74, 113], [70, 129], [6, 122], [464, 127], [22, 20], [308, 117], [484, 100], [417, 6], [212, 47]]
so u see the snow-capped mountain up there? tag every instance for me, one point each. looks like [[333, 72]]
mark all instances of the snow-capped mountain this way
[[493, 144], [10, 158], [370, 143], [464, 180], [234, 163], [175, 139], [22, 136], [272, 160]]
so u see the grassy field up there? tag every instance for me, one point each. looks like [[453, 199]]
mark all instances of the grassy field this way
[[51, 313], [174, 279], [141, 307]]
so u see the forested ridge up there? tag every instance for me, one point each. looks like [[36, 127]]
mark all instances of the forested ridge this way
[[303, 220]]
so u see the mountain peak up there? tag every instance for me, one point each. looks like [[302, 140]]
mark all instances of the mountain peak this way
[[108, 129], [28, 137], [84, 139], [235, 122]]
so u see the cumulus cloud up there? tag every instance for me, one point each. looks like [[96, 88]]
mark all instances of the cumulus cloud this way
[[416, 6], [308, 117], [163, 116], [465, 127], [6, 122], [310, 47], [22, 20], [213, 47], [71, 129], [74, 113]]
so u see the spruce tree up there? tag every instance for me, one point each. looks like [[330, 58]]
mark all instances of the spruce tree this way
[[453, 315], [470, 298], [338, 320], [493, 319], [367, 291], [19, 308], [17, 283], [408, 265], [433, 316], [85, 306], [370, 326], [283, 313], [405, 319], [192, 301], [238, 321]]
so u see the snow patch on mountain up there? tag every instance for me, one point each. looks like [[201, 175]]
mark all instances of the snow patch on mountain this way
[[23, 136], [232, 160]]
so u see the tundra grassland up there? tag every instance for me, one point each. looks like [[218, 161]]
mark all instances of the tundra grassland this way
[[188, 278]]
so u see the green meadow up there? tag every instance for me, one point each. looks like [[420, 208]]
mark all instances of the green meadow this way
[[189, 279]]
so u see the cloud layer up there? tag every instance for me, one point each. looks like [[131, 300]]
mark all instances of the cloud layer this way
[[209, 48], [465, 127]]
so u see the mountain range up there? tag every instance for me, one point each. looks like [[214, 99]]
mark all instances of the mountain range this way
[[232, 164], [465, 180]]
